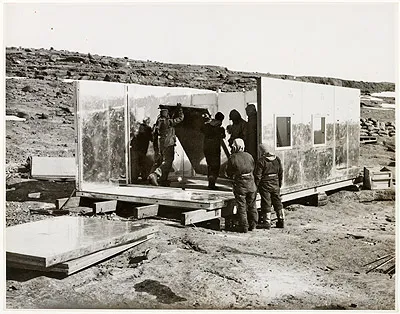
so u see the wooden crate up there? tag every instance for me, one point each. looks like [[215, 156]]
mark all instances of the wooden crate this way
[[377, 179]]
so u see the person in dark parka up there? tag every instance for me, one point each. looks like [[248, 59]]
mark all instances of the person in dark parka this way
[[240, 167], [214, 133], [251, 144], [268, 177], [164, 141], [238, 128], [139, 146]]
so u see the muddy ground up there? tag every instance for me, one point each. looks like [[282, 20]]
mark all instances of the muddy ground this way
[[316, 262]]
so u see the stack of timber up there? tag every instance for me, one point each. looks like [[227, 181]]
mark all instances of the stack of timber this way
[[385, 264], [69, 244]]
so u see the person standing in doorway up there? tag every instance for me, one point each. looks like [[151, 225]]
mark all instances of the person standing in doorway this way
[[240, 167], [238, 128], [139, 146], [268, 176], [251, 145], [164, 141], [214, 133]]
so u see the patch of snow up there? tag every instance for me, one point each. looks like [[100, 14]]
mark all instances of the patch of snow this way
[[384, 94], [14, 118], [15, 78], [385, 105], [378, 108], [370, 98]]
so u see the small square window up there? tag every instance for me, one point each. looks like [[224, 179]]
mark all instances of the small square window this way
[[283, 132], [318, 124]]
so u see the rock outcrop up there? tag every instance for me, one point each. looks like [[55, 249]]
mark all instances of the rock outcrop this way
[[53, 64]]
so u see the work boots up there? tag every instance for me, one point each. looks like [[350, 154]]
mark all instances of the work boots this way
[[265, 221], [211, 183], [280, 224], [281, 218], [154, 176], [153, 179], [252, 226]]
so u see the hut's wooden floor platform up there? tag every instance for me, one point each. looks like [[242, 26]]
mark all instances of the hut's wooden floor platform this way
[[178, 196]]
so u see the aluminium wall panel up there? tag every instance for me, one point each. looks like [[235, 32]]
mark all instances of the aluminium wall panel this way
[[306, 164], [101, 123]]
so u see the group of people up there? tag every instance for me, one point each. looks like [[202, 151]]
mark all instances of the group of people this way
[[164, 140], [250, 173]]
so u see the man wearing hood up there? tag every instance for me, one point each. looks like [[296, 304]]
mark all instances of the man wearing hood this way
[[268, 177], [164, 140], [141, 138], [238, 128], [251, 144], [240, 167], [214, 133]]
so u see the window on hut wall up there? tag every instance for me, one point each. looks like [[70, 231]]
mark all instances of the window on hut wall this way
[[319, 134], [283, 132]]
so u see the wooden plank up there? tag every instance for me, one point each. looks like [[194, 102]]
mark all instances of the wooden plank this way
[[83, 262], [105, 207], [323, 188], [53, 241], [199, 216], [368, 139], [80, 263], [141, 212], [67, 202]]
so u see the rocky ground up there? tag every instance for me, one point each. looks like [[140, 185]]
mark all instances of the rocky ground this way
[[316, 262]]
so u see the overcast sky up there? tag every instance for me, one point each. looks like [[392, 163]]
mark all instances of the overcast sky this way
[[350, 41]]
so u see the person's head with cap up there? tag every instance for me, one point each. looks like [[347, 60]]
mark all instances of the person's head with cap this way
[[164, 112], [238, 145], [219, 116]]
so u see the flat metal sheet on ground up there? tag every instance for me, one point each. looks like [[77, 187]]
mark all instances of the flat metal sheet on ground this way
[[189, 198], [53, 167], [77, 264], [52, 241]]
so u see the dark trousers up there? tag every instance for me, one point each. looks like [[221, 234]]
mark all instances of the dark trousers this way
[[213, 165], [139, 165], [270, 195], [246, 209], [164, 162]]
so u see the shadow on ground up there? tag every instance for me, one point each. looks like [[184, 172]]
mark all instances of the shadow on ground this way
[[46, 191]]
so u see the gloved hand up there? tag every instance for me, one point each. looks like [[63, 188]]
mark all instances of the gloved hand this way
[[178, 105], [206, 116]]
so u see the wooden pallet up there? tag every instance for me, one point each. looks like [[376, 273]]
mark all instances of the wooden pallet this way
[[368, 139]]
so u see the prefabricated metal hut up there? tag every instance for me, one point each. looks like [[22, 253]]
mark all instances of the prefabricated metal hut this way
[[313, 128]]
